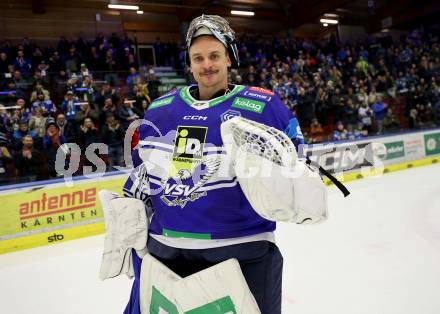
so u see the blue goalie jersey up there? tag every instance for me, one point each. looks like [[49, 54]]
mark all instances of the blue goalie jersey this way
[[183, 171]]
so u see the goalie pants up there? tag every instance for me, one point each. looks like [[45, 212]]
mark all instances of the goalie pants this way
[[261, 264]]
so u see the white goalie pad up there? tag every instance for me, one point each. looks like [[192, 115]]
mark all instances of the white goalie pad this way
[[126, 227], [219, 289], [277, 185]]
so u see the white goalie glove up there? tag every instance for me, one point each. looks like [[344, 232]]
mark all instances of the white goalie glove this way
[[276, 183], [126, 228]]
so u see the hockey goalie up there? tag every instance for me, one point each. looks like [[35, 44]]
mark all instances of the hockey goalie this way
[[278, 186], [214, 172]]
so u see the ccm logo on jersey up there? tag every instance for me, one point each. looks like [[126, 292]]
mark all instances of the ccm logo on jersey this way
[[258, 96], [262, 90], [197, 118]]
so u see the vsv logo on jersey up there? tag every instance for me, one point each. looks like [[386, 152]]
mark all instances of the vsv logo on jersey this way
[[257, 96], [229, 114], [249, 104], [189, 170], [184, 187], [189, 142]]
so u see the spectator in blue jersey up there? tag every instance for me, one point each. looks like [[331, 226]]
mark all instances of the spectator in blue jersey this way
[[46, 104], [70, 106], [379, 109], [23, 130], [192, 231], [340, 133], [22, 64], [132, 78]]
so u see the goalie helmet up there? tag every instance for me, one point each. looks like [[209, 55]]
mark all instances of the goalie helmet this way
[[218, 27]]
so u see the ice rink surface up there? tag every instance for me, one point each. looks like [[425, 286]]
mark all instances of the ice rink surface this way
[[379, 253]]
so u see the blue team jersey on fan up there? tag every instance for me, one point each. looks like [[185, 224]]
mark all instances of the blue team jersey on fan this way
[[184, 172]]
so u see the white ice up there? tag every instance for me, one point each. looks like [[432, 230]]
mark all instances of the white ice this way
[[379, 253]]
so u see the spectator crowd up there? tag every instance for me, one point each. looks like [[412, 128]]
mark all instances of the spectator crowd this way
[[78, 91], [349, 91]]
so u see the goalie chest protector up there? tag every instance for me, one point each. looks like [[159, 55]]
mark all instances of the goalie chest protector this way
[[192, 188]]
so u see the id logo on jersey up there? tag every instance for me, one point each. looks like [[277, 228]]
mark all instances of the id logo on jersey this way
[[189, 142], [189, 171]]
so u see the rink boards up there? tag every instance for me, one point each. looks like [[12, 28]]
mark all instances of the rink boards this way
[[50, 212], [33, 215]]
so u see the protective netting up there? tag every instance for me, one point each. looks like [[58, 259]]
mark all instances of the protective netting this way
[[262, 140]]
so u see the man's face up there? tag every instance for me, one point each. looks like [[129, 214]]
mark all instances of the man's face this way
[[23, 127], [21, 102], [28, 141], [61, 119], [52, 129], [209, 62], [88, 123], [108, 102], [110, 119]]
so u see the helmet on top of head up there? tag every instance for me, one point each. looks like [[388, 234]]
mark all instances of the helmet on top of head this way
[[218, 27]]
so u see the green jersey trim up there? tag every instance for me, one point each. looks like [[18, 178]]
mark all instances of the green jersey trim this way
[[189, 99], [161, 102], [189, 235]]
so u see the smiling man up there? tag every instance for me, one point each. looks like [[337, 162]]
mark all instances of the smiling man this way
[[199, 215], [209, 64]]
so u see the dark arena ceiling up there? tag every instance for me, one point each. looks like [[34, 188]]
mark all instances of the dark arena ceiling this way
[[276, 15]]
